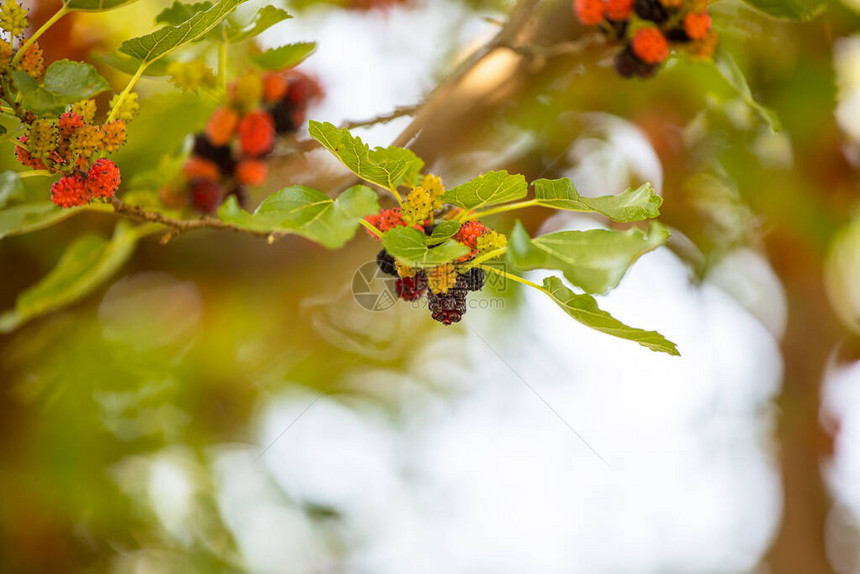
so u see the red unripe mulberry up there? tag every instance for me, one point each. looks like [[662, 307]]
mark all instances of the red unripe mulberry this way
[[302, 89], [24, 157], [469, 233], [251, 171], [650, 46], [257, 134], [70, 191], [222, 125], [103, 178], [205, 195], [386, 219], [697, 24], [589, 12]]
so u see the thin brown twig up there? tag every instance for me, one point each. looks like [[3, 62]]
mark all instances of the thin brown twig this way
[[399, 112], [178, 226], [555, 50]]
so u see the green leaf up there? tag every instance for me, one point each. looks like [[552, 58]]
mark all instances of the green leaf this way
[[443, 230], [488, 189], [787, 9], [65, 83], [130, 65], [11, 188], [306, 212], [284, 57], [266, 17], [629, 205], [95, 5], [584, 309], [28, 217], [149, 48], [179, 12], [86, 264], [729, 70], [387, 167], [594, 260], [410, 247]]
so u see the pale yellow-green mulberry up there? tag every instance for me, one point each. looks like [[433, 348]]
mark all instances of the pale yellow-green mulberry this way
[[13, 18]]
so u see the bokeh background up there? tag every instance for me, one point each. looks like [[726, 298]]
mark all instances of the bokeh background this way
[[224, 405]]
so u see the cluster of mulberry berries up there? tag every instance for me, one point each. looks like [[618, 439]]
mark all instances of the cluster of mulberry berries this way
[[649, 29], [73, 145], [446, 285], [231, 153], [14, 21]]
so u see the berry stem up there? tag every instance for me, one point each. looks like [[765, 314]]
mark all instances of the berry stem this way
[[34, 173], [487, 256], [222, 66], [501, 209], [118, 105], [371, 228], [42, 29], [513, 277]]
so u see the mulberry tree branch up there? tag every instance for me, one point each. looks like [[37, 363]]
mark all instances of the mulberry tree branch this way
[[421, 111], [178, 226]]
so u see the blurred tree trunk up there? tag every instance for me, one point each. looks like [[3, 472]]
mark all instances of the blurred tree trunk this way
[[810, 338]]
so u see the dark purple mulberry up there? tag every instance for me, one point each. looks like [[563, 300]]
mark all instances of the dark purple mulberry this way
[[288, 118], [386, 263], [628, 65], [472, 280], [411, 288], [651, 10], [448, 307], [678, 35], [222, 156]]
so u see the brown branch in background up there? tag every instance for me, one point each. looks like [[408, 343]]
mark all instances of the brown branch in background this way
[[422, 111], [507, 35]]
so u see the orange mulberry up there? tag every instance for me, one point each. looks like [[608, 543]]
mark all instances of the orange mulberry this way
[[199, 168], [704, 48], [257, 134], [222, 125], [86, 140], [113, 135], [33, 61], [68, 124], [589, 12], [251, 171], [103, 178], [70, 191], [697, 24], [619, 10], [650, 46], [274, 87]]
